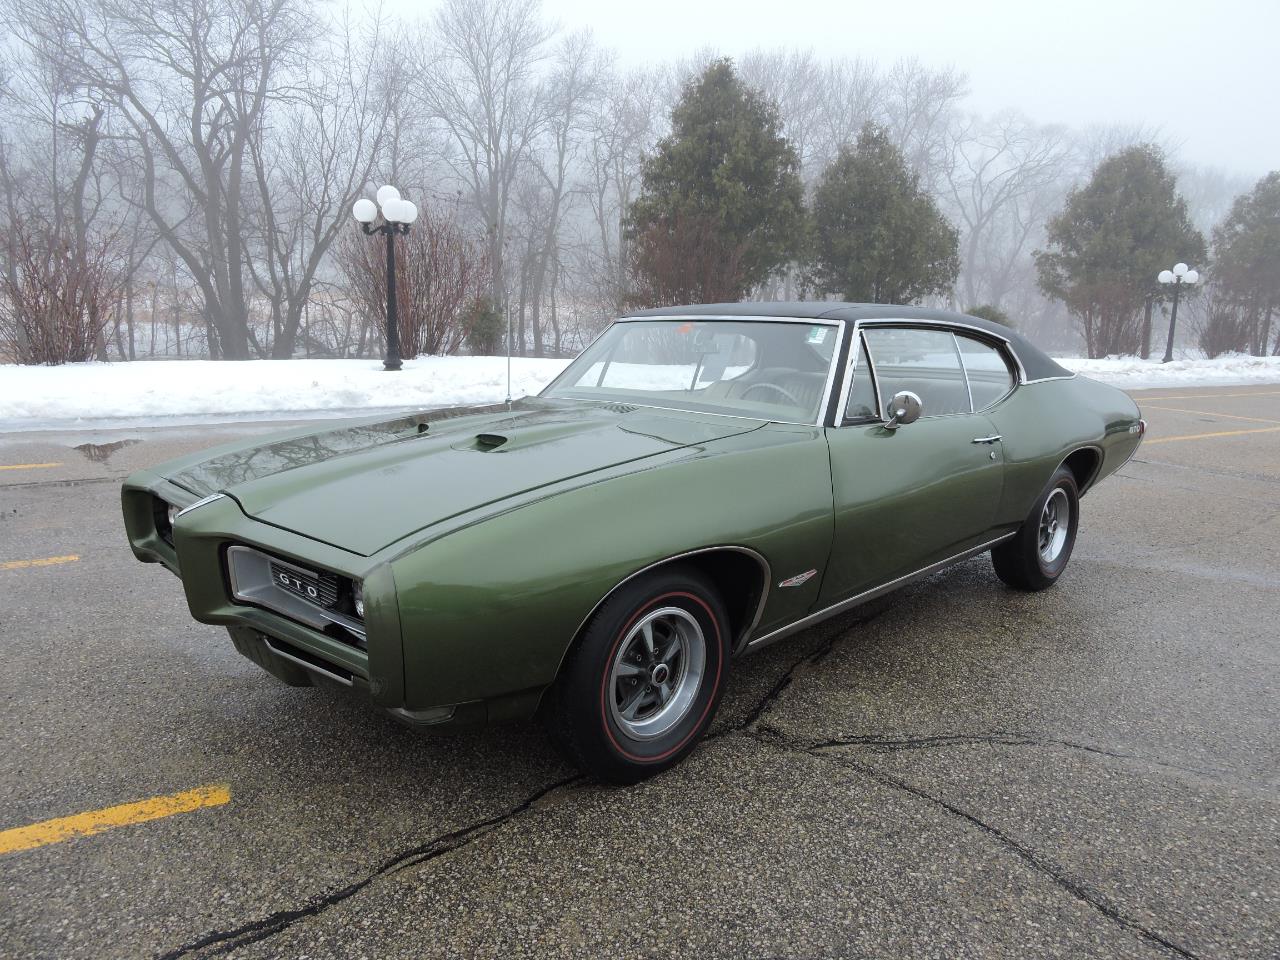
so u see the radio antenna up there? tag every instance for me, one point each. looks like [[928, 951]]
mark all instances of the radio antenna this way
[[508, 312]]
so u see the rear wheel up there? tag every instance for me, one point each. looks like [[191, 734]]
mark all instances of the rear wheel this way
[[1036, 555], [644, 679]]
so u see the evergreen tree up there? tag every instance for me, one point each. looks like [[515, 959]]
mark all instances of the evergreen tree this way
[[877, 236], [991, 312], [1111, 239], [721, 205], [1246, 262]]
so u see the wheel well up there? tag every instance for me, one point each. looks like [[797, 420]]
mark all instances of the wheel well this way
[[739, 577], [1084, 464]]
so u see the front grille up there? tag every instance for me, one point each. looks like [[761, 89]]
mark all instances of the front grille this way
[[314, 598], [319, 587]]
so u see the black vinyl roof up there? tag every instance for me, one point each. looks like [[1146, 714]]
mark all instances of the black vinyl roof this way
[[1037, 364]]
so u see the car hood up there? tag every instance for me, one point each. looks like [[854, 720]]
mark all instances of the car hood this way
[[364, 486]]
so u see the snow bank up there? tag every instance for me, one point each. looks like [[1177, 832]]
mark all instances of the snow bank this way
[[184, 391], [174, 391], [1131, 373]]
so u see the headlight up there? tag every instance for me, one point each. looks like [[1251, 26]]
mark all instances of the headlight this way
[[357, 598]]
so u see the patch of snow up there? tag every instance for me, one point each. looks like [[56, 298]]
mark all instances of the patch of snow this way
[[1133, 373], [175, 391], [205, 391]]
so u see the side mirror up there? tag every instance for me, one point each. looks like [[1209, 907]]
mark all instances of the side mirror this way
[[905, 407]]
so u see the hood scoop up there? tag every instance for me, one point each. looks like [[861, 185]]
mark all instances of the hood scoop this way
[[520, 436]]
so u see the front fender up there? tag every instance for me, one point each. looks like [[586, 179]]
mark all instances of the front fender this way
[[491, 609]]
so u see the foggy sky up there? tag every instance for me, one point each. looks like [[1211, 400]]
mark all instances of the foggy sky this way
[[1204, 73]]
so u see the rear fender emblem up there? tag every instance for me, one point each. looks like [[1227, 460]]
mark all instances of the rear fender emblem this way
[[799, 579]]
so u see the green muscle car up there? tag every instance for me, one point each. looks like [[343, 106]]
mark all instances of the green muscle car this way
[[699, 483]]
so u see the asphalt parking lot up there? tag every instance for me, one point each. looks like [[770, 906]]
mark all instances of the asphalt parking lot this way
[[956, 771]]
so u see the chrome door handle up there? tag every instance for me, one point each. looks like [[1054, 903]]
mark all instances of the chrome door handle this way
[[991, 439]]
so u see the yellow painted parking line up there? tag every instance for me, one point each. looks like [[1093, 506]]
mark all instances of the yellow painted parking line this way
[[96, 821], [1203, 436], [1211, 413], [28, 466], [43, 562], [1213, 396]]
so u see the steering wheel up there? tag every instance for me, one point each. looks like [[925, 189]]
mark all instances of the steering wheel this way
[[776, 389]]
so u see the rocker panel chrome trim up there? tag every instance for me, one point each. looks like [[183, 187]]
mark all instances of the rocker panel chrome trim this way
[[867, 595]]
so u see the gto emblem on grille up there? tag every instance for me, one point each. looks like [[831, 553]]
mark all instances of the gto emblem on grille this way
[[798, 579], [293, 583]]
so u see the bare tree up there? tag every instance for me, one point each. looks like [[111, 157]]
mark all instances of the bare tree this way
[[572, 89], [190, 84], [62, 260], [307, 177], [918, 105], [853, 95], [442, 274], [625, 124], [997, 171], [796, 81], [478, 81]]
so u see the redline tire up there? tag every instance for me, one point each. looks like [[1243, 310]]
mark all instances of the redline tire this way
[[644, 679]]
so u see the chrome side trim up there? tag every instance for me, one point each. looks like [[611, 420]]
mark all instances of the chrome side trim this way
[[867, 595], [1048, 379], [968, 389], [740, 642], [200, 503], [306, 664]]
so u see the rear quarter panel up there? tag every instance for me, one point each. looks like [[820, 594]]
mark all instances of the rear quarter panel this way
[[1043, 422], [491, 609]]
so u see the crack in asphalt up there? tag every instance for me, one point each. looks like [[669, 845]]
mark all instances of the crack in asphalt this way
[[1007, 738], [770, 736], [223, 941], [839, 628], [751, 727]]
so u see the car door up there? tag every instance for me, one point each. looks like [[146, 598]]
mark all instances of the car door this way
[[908, 497]]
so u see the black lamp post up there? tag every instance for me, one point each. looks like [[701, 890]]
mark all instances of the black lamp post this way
[[397, 214], [1179, 275]]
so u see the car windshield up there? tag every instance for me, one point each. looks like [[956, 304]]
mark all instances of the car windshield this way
[[767, 370]]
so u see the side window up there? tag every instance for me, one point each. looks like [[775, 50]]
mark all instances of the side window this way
[[926, 362], [989, 374], [862, 392]]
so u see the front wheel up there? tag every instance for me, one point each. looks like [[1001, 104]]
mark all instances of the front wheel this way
[[644, 679], [1036, 555]]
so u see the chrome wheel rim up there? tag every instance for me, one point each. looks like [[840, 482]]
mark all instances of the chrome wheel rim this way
[[656, 673], [1055, 522]]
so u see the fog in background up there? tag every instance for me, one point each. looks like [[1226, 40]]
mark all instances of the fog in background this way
[[176, 176], [1203, 74]]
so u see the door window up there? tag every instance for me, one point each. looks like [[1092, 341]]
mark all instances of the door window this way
[[989, 374], [926, 362], [862, 391]]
